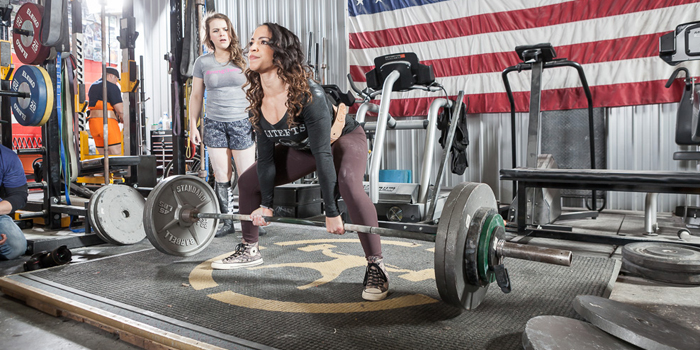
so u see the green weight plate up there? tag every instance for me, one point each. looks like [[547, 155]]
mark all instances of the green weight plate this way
[[119, 214], [165, 215], [487, 276], [455, 285]]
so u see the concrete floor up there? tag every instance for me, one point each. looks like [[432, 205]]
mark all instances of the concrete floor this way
[[23, 327]]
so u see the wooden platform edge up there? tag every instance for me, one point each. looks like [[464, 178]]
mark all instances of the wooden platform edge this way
[[130, 331]]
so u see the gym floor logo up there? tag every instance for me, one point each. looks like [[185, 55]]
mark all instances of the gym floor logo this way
[[202, 277]]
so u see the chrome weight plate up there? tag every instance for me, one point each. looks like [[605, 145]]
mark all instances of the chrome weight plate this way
[[663, 256], [119, 214], [455, 286], [167, 220], [634, 325]]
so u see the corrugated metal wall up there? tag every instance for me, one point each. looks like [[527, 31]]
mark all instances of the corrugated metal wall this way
[[323, 18], [639, 138], [153, 25]]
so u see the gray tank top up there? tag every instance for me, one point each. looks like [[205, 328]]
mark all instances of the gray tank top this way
[[226, 100]]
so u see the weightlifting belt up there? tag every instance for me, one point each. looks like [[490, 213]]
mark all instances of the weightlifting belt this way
[[338, 121]]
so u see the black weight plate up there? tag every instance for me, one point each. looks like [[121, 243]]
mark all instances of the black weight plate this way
[[663, 276], [450, 242], [663, 256], [164, 210], [635, 325], [562, 333]]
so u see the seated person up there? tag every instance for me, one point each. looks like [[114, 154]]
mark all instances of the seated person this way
[[115, 112], [13, 196]]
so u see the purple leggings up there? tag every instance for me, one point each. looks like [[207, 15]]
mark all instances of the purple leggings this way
[[350, 158]]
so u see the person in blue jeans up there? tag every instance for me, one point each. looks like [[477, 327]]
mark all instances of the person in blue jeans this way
[[13, 196]]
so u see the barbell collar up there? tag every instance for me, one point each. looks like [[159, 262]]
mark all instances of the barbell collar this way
[[534, 253], [382, 231]]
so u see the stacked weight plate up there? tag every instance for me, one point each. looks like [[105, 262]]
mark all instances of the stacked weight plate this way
[[116, 214], [665, 262]]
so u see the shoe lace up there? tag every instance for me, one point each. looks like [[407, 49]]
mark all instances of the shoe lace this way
[[374, 277], [240, 249]]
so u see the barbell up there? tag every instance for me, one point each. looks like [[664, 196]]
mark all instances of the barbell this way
[[180, 218]]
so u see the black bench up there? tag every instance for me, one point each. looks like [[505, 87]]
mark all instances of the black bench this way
[[599, 179], [145, 167]]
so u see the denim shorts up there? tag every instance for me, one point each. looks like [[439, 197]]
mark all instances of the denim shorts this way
[[238, 135]]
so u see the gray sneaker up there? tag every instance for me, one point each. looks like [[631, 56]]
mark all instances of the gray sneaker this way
[[246, 255], [376, 280]]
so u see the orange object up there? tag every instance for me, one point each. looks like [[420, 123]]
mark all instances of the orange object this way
[[97, 129]]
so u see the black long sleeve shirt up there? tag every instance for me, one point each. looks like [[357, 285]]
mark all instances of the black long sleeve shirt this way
[[312, 134]]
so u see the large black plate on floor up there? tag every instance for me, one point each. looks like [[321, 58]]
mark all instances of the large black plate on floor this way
[[451, 273], [635, 325], [663, 276], [563, 333], [663, 256]]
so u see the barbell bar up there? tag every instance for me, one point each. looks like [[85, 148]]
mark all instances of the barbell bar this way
[[504, 249], [180, 218]]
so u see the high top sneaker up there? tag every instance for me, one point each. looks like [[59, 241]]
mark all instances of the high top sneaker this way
[[376, 280], [222, 192], [246, 255]]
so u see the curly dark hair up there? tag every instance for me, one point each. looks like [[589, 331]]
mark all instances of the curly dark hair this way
[[234, 49], [288, 57]]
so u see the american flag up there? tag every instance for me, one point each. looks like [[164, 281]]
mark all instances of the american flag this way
[[470, 42]]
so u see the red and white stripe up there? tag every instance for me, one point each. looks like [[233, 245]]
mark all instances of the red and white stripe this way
[[470, 43]]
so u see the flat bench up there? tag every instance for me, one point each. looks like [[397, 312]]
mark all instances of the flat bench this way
[[145, 167], [603, 180]]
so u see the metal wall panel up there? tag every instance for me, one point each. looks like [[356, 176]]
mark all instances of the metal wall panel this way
[[324, 18], [153, 25], [639, 138]]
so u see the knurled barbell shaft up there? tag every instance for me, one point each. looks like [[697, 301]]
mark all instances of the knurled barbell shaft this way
[[534, 253], [504, 249], [382, 231]]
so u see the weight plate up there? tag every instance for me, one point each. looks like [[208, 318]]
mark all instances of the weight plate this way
[[635, 325], [28, 47], [48, 110], [30, 111], [473, 246], [562, 333], [166, 219], [663, 276], [450, 244], [119, 214], [487, 275], [93, 215], [663, 256]]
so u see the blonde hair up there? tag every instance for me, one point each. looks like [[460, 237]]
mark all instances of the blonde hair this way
[[234, 47]]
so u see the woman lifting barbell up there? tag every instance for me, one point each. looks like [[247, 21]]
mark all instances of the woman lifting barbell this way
[[292, 120], [227, 130]]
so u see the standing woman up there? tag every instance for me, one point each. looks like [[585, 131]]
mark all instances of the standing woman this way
[[292, 120], [227, 130]]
